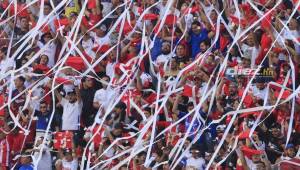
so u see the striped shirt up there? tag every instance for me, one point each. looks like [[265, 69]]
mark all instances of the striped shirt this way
[[4, 152]]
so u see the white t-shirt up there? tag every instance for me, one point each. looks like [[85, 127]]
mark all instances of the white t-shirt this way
[[104, 96], [252, 51], [45, 161], [110, 71], [198, 163], [163, 60], [5, 64], [259, 93], [88, 47], [69, 165], [49, 50], [99, 41], [107, 5], [71, 113]]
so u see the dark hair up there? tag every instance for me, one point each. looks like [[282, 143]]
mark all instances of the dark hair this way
[[47, 4], [121, 106], [148, 109], [206, 42], [43, 37], [22, 78], [43, 102], [196, 23], [4, 49]]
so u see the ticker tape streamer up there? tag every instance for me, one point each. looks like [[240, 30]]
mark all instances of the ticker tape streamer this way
[[161, 97]]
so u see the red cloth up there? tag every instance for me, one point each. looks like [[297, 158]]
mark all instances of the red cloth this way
[[63, 140], [91, 4], [44, 28], [150, 17], [76, 63], [101, 49], [223, 42], [4, 152], [21, 10], [15, 141], [170, 20], [61, 22], [187, 91], [126, 29], [61, 80], [98, 137], [249, 113], [238, 21], [41, 67], [2, 102], [151, 98], [266, 21], [265, 43], [245, 134], [287, 165], [285, 94], [91, 20], [248, 152]]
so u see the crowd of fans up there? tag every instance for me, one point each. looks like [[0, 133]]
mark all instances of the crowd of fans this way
[[180, 84]]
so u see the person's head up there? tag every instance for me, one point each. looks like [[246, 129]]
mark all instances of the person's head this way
[[198, 81], [43, 107], [47, 8], [25, 159], [207, 156], [87, 82], [24, 23], [72, 96], [196, 27], [142, 157], [2, 135], [44, 59], [164, 2], [251, 39], [210, 59], [117, 131], [3, 51], [275, 129], [214, 15], [274, 57], [246, 61], [105, 81], [260, 165], [68, 155], [132, 49], [260, 85], [147, 112], [180, 50], [166, 48], [173, 64], [46, 38], [290, 150], [101, 30], [120, 107], [190, 106], [204, 46], [232, 88], [195, 152], [293, 24], [19, 82]]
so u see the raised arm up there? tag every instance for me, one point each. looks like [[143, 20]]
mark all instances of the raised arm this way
[[58, 95]]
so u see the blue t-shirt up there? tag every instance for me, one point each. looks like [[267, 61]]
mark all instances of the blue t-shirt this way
[[196, 40], [26, 167], [42, 121], [156, 50]]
